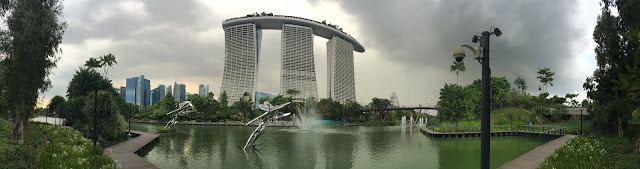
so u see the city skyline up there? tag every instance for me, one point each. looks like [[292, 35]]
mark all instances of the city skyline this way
[[194, 53]]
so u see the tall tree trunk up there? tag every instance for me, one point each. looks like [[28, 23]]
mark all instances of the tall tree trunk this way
[[18, 127]]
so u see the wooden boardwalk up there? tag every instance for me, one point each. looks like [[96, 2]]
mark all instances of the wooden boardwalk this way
[[125, 153], [535, 157], [474, 131]]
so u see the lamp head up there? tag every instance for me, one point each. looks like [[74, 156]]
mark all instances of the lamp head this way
[[497, 32], [458, 54], [475, 39]]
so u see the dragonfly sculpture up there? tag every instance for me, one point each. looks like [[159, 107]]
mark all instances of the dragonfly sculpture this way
[[184, 109], [271, 113]]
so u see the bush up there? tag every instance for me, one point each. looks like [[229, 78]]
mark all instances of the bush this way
[[14, 154], [580, 152], [110, 124], [68, 149]]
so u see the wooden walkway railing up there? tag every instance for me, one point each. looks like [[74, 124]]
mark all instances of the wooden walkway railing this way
[[496, 130]]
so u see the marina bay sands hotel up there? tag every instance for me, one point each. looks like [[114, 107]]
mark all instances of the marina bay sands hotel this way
[[243, 38]]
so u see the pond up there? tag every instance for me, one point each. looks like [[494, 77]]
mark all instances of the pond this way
[[325, 147]]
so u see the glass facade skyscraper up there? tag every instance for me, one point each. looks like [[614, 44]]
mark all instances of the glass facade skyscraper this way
[[138, 91], [132, 85]]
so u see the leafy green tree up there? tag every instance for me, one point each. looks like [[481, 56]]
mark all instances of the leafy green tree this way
[[572, 101], [224, 100], [167, 102], [456, 103], [520, 84], [352, 108], [56, 105], [85, 81], [244, 105], [380, 106], [500, 87], [30, 45], [616, 56], [458, 67], [107, 61], [546, 77], [293, 92], [92, 63], [111, 122]]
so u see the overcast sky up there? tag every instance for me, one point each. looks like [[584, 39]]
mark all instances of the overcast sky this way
[[408, 44]]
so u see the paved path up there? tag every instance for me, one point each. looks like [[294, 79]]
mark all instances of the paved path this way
[[535, 157], [125, 153]]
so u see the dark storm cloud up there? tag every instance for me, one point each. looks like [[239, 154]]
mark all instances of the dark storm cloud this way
[[424, 33]]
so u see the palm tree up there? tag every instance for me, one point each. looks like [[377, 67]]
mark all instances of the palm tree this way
[[92, 63], [521, 84], [107, 61], [458, 67]]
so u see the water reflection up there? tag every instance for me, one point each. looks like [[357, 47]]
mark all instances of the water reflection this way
[[321, 147]]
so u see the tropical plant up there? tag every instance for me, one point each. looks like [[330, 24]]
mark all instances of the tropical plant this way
[[458, 67], [87, 80], [520, 84], [546, 77], [107, 61], [380, 106], [293, 92], [56, 105], [92, 63]]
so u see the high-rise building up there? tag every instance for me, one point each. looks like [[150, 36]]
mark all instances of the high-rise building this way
[[138, 91], [298, 67], [394, 100], [203, 90], [157, 94], [242, 54], [132, 86], [169, 90], [242, 50], [143, 91], [341, 82], [123, 92], [261, 94], [179, 92]]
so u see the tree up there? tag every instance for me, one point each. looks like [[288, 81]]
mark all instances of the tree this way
[[500, 87], [107, 61], [293, 92], [92, 63], [380, 106], [456, 103], [30, 44], [572, 102], [55, 105], [111, 122], [520, 84], [86, 80], [224, 100], [611, 86], [458, 67], [546, 77], [244, 105]]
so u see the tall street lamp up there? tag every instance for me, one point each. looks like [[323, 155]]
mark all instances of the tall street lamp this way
[[481, 53]]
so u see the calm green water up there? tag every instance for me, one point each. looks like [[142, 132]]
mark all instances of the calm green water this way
[[326, 147]]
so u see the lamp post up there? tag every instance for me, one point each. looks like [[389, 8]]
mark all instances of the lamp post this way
[[481, 53], [95, 119], [129, 120]]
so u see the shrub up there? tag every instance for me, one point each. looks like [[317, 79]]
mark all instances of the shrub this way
[[580, 152], [68, 149]]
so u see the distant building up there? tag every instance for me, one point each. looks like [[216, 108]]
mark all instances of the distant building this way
[[123, 92], [179, 92], [169, 90], [130, 93], [394, 99], [157, 94], [187, 95], [261, 94], [203, 90], [138, 91], [143, 91], [341, 82]]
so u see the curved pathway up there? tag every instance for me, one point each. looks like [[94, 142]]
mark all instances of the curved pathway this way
[[125, 153], [535, 157]]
